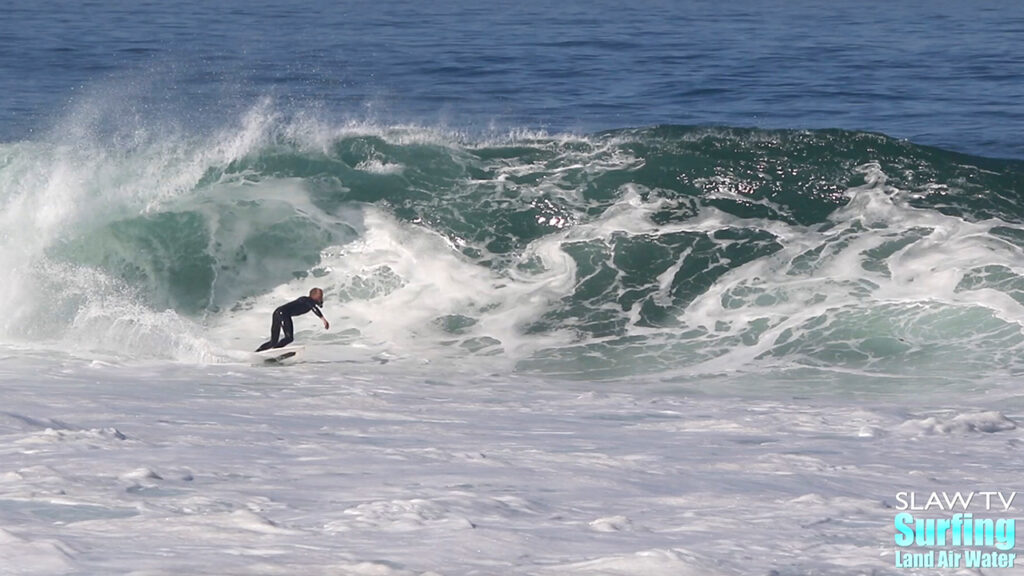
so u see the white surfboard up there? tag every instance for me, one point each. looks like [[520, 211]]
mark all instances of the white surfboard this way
[[279, 355]]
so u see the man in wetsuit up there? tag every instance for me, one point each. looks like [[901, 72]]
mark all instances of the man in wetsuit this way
[[283, 318]]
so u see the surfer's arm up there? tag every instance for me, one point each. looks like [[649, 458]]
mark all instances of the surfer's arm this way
[[327, 325]]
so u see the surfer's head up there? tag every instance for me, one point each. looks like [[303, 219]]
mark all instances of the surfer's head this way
[[317, 295]]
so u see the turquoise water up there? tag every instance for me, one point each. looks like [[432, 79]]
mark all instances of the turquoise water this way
[[587, 190], [605, 281]]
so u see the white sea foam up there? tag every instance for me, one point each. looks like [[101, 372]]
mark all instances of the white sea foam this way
[[359, 468], [881, 288]]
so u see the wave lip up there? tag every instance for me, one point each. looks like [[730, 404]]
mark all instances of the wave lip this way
[[638, 250]]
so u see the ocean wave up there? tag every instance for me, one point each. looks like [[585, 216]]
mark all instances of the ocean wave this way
[[633, 250]]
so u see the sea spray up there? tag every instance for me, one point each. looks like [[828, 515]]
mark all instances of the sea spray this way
[[637, 250]]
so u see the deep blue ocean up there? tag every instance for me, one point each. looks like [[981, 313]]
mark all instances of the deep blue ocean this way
[[946, 74], [625, 288], [579, 188]]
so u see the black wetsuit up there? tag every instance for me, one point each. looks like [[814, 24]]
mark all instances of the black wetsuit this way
[[283, 319]]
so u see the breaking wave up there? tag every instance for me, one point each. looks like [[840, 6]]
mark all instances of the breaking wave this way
[[640, 250]]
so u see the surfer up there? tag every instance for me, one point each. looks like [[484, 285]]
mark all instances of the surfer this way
[[283, 318]]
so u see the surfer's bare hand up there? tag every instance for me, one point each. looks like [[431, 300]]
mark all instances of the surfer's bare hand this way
[[327, 325]]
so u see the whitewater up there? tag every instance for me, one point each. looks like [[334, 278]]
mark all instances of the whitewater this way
[[659, 351], [649, 289]]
